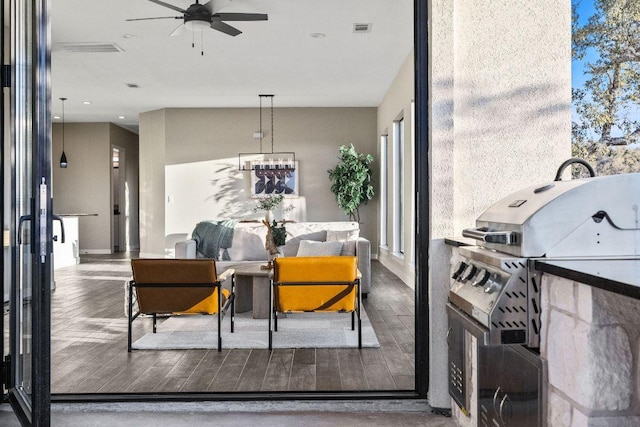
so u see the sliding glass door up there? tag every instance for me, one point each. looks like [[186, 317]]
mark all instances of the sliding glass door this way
[[27, 147]]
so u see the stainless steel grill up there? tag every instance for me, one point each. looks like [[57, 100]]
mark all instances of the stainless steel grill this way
[[591, 217], [495, 292]]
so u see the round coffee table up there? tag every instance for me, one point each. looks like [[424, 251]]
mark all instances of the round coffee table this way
[[252, 289]]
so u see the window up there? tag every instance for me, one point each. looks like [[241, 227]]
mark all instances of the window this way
[[384, 190], [398, 186]]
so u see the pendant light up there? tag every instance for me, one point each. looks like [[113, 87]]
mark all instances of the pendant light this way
[[63, 158], [282, 161]]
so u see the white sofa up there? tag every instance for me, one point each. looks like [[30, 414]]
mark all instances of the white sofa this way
[[248, 244]]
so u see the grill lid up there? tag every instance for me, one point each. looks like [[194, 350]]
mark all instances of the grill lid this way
[[597, 216]]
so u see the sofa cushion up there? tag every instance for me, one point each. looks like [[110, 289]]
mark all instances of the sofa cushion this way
[[347, 237], [313, 248], [248, 243]]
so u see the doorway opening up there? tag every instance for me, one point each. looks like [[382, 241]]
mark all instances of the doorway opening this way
[[119, 198]]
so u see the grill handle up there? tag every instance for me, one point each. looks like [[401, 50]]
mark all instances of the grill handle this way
[[502, 237]]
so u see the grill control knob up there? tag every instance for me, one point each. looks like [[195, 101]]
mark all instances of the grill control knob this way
[[492, 287], [459, 269], [470, 272], [483, 276]]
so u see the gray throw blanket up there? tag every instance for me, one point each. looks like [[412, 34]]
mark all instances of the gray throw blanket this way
[[211, 236]]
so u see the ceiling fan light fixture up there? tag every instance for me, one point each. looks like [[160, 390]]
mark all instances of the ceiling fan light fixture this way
[[197, 25]]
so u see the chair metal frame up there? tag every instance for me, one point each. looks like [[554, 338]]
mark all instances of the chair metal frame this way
[[273, 313], [222, 309]]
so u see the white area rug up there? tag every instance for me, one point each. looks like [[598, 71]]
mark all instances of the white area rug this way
[[300, 330]]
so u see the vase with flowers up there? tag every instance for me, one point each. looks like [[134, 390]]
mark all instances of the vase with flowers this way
[[268, 204]]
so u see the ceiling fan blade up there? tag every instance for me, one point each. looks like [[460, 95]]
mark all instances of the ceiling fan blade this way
[[225, 28], [241, 16], [170, 6], [179, 30], [160, 17], [213, 5]]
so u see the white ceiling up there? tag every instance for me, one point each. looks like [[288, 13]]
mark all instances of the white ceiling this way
[[277, 56]]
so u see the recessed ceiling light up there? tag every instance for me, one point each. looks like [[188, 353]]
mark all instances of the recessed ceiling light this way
[[318, 35], [122, 117], [128, 36], [56, 117], [86, 102]]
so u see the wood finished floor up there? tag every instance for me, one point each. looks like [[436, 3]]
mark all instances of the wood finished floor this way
[[89, 347]]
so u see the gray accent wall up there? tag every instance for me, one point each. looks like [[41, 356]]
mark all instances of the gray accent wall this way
[[84, 187], [183, 140]]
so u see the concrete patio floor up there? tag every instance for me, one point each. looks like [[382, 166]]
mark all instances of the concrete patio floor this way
[[282, 414]]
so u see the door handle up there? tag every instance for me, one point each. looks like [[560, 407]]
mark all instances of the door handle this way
[[59, 218], [21, 221]]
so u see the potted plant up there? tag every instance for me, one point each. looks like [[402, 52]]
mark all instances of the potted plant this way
[[351, 181], [268, 204]]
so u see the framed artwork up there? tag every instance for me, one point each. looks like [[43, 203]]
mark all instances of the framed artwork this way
[[268, 181]]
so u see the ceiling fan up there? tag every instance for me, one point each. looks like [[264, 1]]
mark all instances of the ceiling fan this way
[[201, 16]]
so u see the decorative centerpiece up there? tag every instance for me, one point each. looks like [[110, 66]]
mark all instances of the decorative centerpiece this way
[[268, 204], [276, 231], [276, 237]]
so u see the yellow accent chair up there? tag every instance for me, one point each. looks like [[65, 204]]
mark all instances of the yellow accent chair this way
[[179, 286], [315, 284]]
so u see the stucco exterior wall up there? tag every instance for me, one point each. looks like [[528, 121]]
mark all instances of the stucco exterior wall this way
[[500, 120]]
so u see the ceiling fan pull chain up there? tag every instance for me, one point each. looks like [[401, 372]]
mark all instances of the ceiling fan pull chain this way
[[201, 43], [193, 39]]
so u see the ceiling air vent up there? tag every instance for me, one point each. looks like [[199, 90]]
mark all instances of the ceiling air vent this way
[[92, 47], [361, 28]]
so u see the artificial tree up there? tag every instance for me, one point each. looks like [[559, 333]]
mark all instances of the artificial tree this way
[[351, 181]]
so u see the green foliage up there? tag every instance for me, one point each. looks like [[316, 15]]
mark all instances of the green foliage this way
[[612, 89], [269, 203], [351, 181], [279, 233]]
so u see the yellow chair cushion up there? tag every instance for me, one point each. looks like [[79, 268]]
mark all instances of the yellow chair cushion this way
[[329, 278]]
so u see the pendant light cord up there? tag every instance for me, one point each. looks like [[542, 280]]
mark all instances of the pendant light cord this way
[[63, 99], [271, 123]]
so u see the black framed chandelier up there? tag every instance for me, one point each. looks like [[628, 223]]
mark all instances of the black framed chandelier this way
[[267, 161]]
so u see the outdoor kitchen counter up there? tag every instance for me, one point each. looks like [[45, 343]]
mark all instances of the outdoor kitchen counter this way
[[621, 276]]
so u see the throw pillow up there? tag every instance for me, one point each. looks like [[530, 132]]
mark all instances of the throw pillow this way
[[348, 237], [312, 248]]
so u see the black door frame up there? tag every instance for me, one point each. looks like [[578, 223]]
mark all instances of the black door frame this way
[[37, 410], [422, 261]]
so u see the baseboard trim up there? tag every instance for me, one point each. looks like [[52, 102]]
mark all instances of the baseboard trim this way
[[95, 251], [151, 255]]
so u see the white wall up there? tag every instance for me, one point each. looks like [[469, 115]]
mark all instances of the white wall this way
[[397, 103], [152, 196], [500, 87], [192, 136]]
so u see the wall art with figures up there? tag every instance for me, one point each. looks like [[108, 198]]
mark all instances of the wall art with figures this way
[[266, 181]]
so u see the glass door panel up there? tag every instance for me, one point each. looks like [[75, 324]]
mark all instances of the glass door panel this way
[[30, 225]]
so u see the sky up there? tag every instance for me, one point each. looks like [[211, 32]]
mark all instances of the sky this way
[[585, 9]]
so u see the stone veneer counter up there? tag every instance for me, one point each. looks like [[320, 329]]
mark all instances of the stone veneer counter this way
[[591, 341], [621, 276]]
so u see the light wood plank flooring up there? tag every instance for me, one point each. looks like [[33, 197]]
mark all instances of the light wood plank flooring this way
[[89, 347]]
